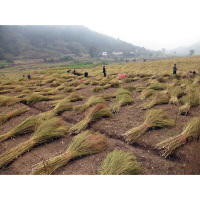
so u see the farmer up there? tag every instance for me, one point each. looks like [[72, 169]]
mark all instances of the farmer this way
[[104, 71], [74, 71], [29, 76], [174, 69], [86, 74]]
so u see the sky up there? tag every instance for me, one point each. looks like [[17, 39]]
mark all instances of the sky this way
[[153, 24]]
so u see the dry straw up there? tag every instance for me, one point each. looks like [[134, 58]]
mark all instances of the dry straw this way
[[145, 94], [15, 113], [120, 163], [190, 131], [175, 94], [160, 98], [46, 131], [62, 106], [86, 143], [191, 100], [155, 118], [94, 113]]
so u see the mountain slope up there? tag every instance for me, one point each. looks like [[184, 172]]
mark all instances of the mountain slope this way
[[48, 41]]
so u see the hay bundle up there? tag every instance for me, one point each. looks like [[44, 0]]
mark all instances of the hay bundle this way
[[75, 97], [15, 113], [190, 131], [86, 143], [94, 113], [45, 132], [130, 88], [93, 100], [160, 98], [8, 100], [115, 83], [155, 118], [63, 105], [107, 97], [120, 163], [35, 98], [175, 94], [157, 86], [97, 89], [69, 89], [145, 94], [25, 127], [191, 100]]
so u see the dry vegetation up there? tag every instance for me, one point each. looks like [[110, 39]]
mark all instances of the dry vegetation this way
[[107, 124]]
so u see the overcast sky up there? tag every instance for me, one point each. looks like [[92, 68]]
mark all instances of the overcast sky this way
[[154, 24]]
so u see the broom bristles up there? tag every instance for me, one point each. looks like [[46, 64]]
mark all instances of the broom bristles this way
[[86, 143], [120, 163]]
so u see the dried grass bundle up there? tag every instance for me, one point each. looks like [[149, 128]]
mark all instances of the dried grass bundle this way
[[15, 113], [160, 98], [94, 113], [86, 143], [157, 86], [62, 106], [155, 118], [175, 94], [192, 99], [8, 100], [75, 97], [120, 163], [97, 89], [33, 98], [145, 94], [45, 132], [190, 132]]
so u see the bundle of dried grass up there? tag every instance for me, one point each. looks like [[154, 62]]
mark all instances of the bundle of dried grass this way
[[8, 100], [130, 88], [155, 118], [45, 132], [192, 99], [120, 163], [15, 113], [157, 86], [25, 127], [62, 106], [75, 97], [94, 113], [145, 94], [69, 89], [93, 100], [160, 98], [33, 98], [190, 131], [175, 94], [97, 89], [88, 142]]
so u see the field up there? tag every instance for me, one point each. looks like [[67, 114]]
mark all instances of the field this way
[[110, 107]]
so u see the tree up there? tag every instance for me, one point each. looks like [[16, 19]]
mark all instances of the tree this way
[[191, 52]]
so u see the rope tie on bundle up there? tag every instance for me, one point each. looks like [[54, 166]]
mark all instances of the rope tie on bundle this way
[[66, 155], [184, 138], [32, 141]]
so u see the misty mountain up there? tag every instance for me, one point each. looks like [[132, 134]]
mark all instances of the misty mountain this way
[[185, 50], [54, 41]]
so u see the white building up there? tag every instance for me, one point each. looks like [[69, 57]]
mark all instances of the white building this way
[[117, 53]]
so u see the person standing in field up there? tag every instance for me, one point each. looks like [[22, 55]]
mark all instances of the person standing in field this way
[[104, 71], [174, 69], [74, 71]]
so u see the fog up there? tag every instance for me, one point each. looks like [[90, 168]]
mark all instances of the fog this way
[[153, 24]]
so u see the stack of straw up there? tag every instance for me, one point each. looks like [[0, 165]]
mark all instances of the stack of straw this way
[[190, 131], [155, 118], [94, 113], [120, 163], [85, 143]]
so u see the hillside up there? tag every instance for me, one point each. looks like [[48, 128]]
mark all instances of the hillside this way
[[184, 50], [32, 42]]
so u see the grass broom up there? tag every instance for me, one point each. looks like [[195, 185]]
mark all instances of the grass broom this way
[[45, 132], [94, 113], [155, 118], [86, 143], [15, 113], [190, 131], [120, 163]]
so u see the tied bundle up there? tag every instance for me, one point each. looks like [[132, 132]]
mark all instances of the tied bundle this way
[[94, 113], [73, 97], [123, 98], [8, 100], [191, 100], [86, 143], [120, 163], [23, 128], [62, 106], [15, 113], [190, 131], [175, 93], [45, 132], [93, 100], [160, 98], [145, 94], [155, 118]]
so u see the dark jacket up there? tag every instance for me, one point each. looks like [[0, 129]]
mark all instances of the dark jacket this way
[[104, 70], [174, 68]]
